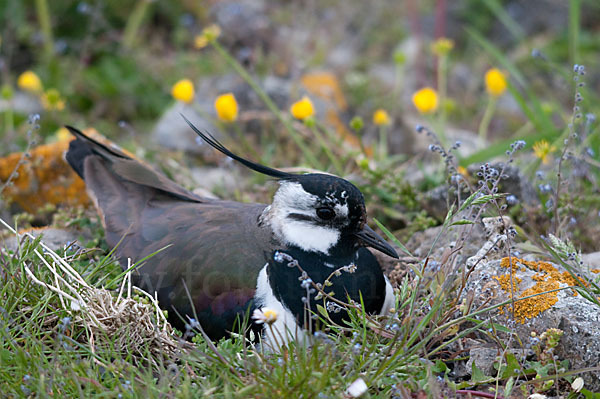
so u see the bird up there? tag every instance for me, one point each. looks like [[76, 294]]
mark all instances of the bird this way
[[213, 262]]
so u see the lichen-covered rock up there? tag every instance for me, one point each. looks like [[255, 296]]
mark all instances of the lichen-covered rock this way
[[490, 282], [535, 309], [43, 177]]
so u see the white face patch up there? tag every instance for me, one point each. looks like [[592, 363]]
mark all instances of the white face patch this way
[[308, 235]]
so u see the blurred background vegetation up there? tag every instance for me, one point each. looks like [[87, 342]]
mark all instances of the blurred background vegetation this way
[[112, 65]]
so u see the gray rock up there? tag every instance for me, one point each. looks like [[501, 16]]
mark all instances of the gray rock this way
[[591, 260], [421, 243], [22, 103], [172, 131], [243, 24], [343, 56], [516, 184], [436, 200], [575, 316], [278, 89], [483, 355], [211, 180], [54, 238]]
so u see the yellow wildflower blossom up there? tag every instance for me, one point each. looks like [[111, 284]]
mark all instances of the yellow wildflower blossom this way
[[183, 90], [264, 315], [211, 33], [381, 117], [200, 41], [52, 100], [425, 100], [29, 81], [442, 46], [63, 134], [302, 109], [462, 170], [226, 107], [495, 82], [542, 150]]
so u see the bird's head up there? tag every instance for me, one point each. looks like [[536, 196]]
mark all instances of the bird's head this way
[[317, 212], [314, 212]]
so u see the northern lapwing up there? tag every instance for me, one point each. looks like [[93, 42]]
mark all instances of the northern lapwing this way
[[235, 257]]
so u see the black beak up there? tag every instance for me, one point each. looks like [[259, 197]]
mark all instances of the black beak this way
[[371, 239]]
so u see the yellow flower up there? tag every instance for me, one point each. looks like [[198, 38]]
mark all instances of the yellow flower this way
[[462, 170], [442, 46], [226, 107], [200, 41], [63, 134], [381, 117], [542, 150], [302, 109], [495, 82], [425, 100], [211, 32], [183, 90], [29, 81], [52, 100]]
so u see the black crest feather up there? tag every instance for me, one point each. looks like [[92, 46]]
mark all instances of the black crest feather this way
[[213, 142]]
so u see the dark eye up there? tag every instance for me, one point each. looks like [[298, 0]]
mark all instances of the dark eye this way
[[325, 213]]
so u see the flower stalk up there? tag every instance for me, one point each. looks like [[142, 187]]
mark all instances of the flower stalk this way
[[134, 22], [487, 117], [43, 15], [326, 148]]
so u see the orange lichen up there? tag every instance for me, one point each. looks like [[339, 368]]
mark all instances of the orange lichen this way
[[45, 177], [595, 271], [531, 307], [504, 281], [548, 278], [506, 263], [327, 86], [545, 269]]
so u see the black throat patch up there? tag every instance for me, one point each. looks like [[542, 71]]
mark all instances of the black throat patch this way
[[291, 287]]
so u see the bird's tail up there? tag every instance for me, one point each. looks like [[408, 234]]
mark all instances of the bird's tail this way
[[84, 146]]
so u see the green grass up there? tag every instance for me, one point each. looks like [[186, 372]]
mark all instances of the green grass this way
[[49, 349]]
